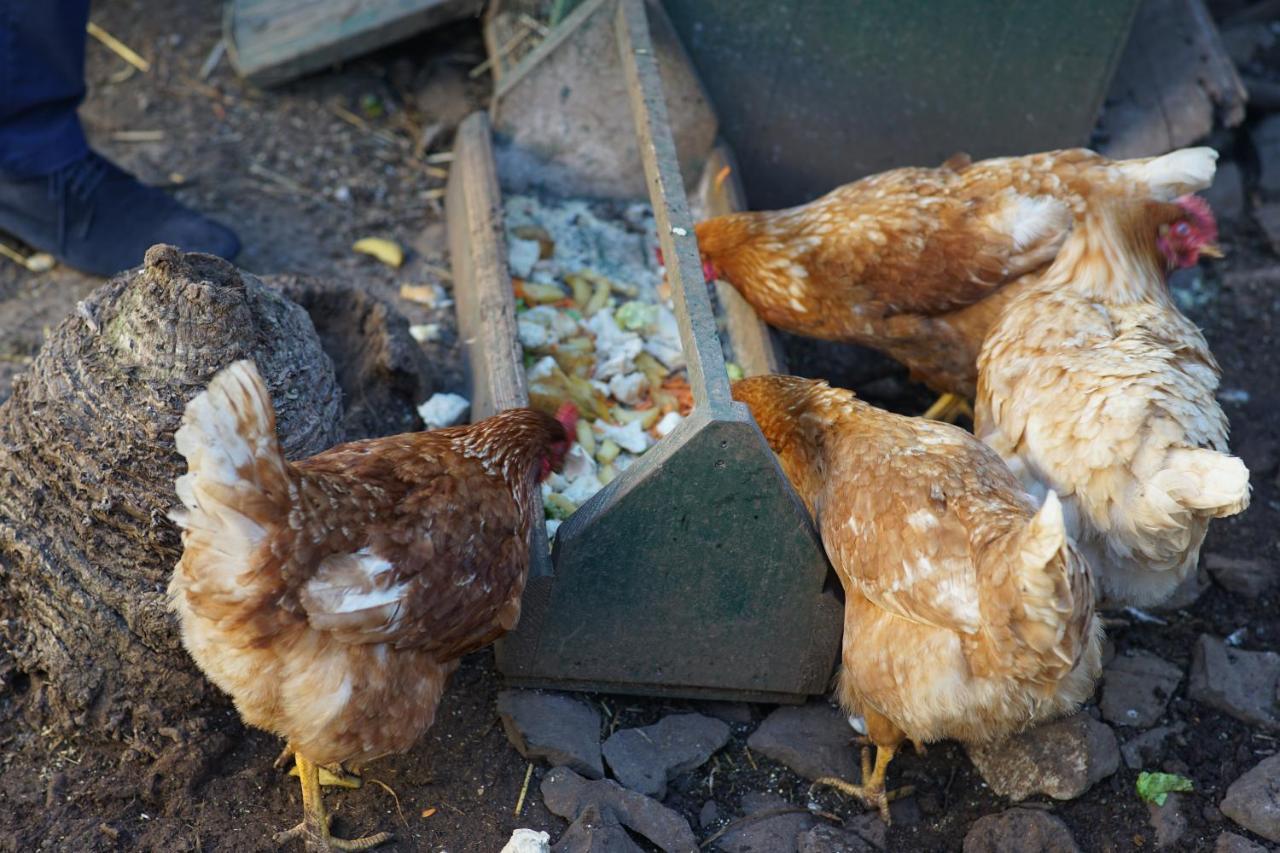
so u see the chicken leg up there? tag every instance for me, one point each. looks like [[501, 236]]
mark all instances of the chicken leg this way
[[314, 829], [331, 775], [948, 407], [871, 791]]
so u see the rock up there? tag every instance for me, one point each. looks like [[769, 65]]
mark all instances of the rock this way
[[1237, 682], [1137, 688], [596, 831], [1186, 594], [1266, 141], [1268, 219], [1019, 831], [829, 839], [567, 794], [528, 841], [1146, 749], [776, 830], [1226, 195], [1229, 842], [644, 759], [814, 740], [1060, 759], [1169, 821], [1247, 577], [1253, 800], [557, 728], [709, 814]]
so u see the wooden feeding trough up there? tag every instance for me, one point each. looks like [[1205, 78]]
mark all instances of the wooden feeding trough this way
[[696, 572]]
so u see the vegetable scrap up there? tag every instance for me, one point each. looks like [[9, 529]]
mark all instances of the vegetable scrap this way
[[595, 331], [443, 410], [1156, 787]]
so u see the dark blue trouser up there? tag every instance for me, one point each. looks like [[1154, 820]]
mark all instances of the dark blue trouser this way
[[41, 84]]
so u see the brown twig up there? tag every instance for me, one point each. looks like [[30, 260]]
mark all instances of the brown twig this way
[[384, 786], [524, 790], [118, 47]]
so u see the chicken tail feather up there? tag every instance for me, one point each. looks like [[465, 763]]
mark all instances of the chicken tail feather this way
[[1205, 481], [1175, 174]]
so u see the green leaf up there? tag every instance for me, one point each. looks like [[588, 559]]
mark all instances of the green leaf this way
[[1156, 787]]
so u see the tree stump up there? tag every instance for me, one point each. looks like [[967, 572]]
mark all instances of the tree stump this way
[[87, 465]]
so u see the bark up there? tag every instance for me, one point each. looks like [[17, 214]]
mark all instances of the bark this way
[[87, 465]]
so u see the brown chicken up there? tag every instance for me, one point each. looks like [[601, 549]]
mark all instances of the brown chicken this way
[[332, 597], [917, 262], [1093, 384], [968, 614]]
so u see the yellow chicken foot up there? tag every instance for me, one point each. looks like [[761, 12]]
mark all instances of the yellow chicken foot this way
[[871, 791], [314, 829], [331, 775], [948, 407]]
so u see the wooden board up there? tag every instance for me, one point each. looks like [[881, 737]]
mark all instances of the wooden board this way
[[272, 41]]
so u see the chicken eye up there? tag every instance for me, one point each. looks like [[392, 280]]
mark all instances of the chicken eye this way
[[1182, 229]]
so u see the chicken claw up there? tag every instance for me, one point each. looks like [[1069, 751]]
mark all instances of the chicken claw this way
[[331, 775], [314, 829], [948, 407], [871, 791]]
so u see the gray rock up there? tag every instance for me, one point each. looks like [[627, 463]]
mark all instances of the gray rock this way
[[1226, 196], [1253, 800], [1237, 682], [814, 740], [1248, 577], [829, 839], [645, 759], [1136, 689], [1148, 748], [1229, 842], [551, 726], [596, 831], [773, 825], [1060, 759], [1019, 831], [1169, 821], [1266, 140], [709, 814], [567, 794]]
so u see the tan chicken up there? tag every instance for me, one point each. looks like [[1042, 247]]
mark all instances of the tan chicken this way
[[968, 613], [1093, 384], [917, 262], [332, 597]]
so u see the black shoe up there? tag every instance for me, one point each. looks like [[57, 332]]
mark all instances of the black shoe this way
[[95, 217]]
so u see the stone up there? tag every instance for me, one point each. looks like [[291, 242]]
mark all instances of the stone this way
[[1266, 141], [1229, 842], [814, 740], [1253, 800], [709, 814], [1062, 759], [829, 839], [528, 841], [644, 759], [1268, 218], [1226, 195], [1019, 831], [567, 794], [778, 826], [1237, 682], [1169, 821], [556, 728], [596, 831], [1243, 576], [1146, 750], [1136, 689]]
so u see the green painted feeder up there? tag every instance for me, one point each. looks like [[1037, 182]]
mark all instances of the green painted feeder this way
[[695, 573]]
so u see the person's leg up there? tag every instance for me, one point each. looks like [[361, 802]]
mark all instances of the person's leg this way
[[41, 84], [56, 194]]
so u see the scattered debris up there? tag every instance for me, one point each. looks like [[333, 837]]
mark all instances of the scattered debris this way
[[425, 332], [528, 841], [387, 251], [644, 759], [34, 262], [554, 727], [1156, 787], [443, 410], [1061, 759], [1251, 800], [430, 295], [768, 823], [1137, 688], [596, 831], [138, 136], [567, 794], [1244, 576], [1146, 749], [1168, 817], [118, 47], [1237, 682], [814, 740], [1019, 830]]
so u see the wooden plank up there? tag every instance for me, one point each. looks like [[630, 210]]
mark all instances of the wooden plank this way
[[273, 41], [1175, 79]]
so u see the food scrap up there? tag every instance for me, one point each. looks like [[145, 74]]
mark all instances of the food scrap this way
[[1156, 787], [597, 332], [443, 410]]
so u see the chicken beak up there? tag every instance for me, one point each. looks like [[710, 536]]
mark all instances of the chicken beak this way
[[1211, 250]]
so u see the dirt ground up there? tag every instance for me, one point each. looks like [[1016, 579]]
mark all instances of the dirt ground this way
[[301, 183]]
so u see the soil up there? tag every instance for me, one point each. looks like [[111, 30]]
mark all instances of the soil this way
[[301, 184]]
